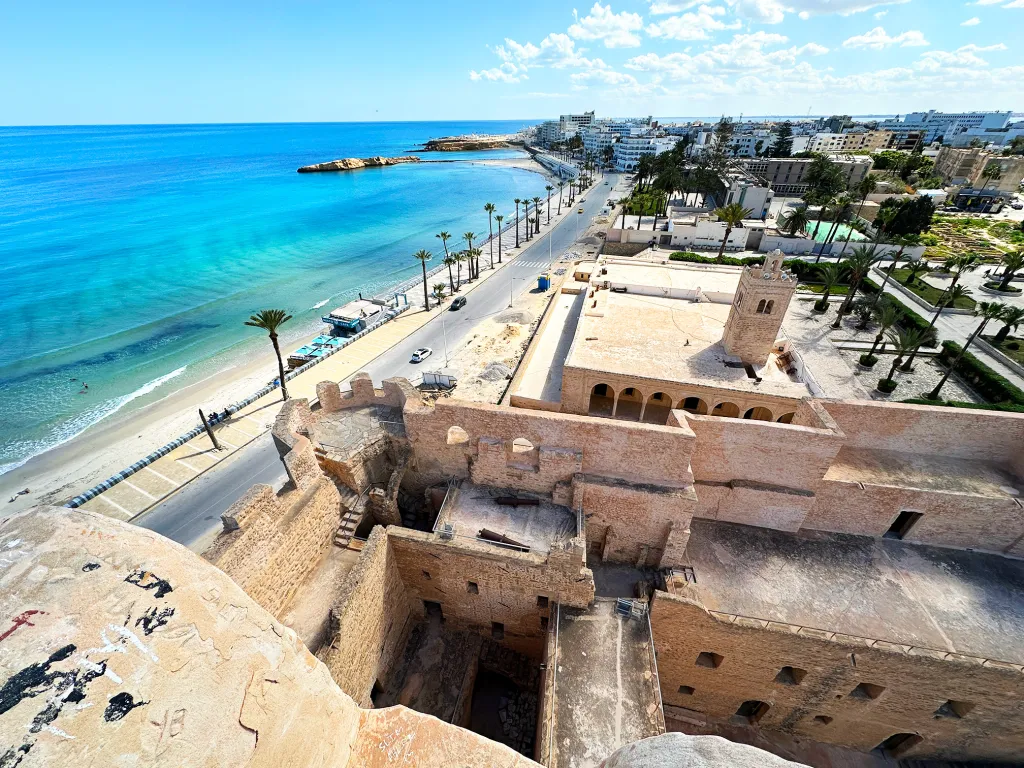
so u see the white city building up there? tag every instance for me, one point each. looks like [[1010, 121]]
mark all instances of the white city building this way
[[945, 125], [630, 149]]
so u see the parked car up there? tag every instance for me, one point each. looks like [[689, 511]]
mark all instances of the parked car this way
[[421, 354], [583, 200], [1017, 206], [459, 303], [606, 183]]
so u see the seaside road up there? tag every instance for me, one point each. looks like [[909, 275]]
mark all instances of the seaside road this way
[[192, 515]]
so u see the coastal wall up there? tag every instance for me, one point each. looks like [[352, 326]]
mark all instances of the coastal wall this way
[[370, 621], [271, 541], [961, 707]]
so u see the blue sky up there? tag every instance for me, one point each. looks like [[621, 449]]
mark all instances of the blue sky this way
[[132, 62]]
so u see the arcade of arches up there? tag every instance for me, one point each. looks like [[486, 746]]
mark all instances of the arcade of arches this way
[[630, 404]]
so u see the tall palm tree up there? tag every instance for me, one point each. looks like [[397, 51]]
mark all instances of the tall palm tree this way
[[947, 299], [459, 256], [859, 266], [491, 208], [842, 209], [517, 202], [961, 263], [794, 221], [1012, 264], [449, 261], [439, 292], [468, 237], [867, 186], [886, 313], [271, 320], [537, 212], [444, 237], [929, 338], [991, 173], [987, 310], [1011, 318], [499, 218], [561, 184], [526, 215], [915, 268], [549, 190], [830, 275], [903, 340], [887, 216], [732, 215], [423, 257]]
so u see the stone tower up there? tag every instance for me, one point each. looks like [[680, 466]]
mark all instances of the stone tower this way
[[755, 317]]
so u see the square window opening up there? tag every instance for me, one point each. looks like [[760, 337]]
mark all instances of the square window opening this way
[[426, 575], [752, 711], [790, 675], [472, 588], [822, 719], [867, 691], [901, 526], [542, 601], [709, 660], [954, 709], [497, 630], [686, 690]]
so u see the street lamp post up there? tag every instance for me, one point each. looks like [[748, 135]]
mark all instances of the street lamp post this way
[[444, 334]]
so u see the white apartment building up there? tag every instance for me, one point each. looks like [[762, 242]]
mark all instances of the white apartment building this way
[[570, 122], [630, 149], [996, 137], [936, 125], [752, 144], [597, 138], [749, 191]]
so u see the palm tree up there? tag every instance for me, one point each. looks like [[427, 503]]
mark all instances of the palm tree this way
[[459, 256], [859, 266], [549, 189], [499, 218], [794, 221], [449, 261], [1012, 317], [904, 241], [991, 173], [444, 237], [439, 292], [732, 214], [915, 268], [423, 257], [987, 310], [886, 313], [490, 208], [867, 186], [964, 262], [517, 202], [841, 211], [903, 340], [888, 216], [526, 215], [561, 184], [830, 274], [537, 212], [270, 320], [1012, 264], [929, 338], [947, 299], [468, 237]]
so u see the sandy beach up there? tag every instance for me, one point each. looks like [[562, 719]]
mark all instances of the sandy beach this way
[[125, 437]]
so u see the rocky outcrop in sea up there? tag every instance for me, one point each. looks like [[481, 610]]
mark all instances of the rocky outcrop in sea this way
[[355, 163]]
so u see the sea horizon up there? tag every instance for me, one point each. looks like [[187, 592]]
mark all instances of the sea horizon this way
[[131, 255]]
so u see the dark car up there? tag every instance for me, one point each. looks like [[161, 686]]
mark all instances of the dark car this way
[[459, 303]]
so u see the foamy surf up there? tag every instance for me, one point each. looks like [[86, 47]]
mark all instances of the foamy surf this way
[[71, 429], [320, 304]]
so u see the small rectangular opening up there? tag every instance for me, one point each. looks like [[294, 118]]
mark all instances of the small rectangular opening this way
[[898, 744], [686, 690], [472, 588], [542, 602], [376, 692], [709, 660], [790, 675], [544, 623], [901, 526], [433, 609], [867, 691], [497, 630], [954, 709], [752, 711], [822, 719], [426, 575]]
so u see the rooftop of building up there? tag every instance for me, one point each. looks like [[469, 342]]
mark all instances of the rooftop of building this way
[[947, 600], [473, 512], [665, 338], [352, 429]]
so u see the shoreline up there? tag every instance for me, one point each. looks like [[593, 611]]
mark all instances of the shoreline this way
[[110, 445]]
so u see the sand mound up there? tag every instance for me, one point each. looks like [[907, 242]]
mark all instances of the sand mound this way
[[495, 372], [516, 316]]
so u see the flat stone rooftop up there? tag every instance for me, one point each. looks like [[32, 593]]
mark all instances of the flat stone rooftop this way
[[677, 275], [604, 694], [923, 472], [540, 527], [542, 379], [943, 599], [350, 429]]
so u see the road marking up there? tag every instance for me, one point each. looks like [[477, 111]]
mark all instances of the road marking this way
[[238, 428], [144, 493], [182, 461], [113, 503], [162, 477]]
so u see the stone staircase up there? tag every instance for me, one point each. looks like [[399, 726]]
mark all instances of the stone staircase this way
[[352, 508]]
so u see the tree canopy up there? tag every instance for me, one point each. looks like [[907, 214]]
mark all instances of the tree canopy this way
[[913, 215]]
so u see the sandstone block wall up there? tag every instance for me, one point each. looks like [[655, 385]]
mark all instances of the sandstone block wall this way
[[508, 584], [917, 684], [370, 621], [393, 393]]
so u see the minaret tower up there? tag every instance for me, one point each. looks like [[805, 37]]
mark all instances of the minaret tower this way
[[758, 308]]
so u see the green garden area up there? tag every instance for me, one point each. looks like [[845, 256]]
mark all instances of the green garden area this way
[[1012, 347], [928, 292], [951, 235]]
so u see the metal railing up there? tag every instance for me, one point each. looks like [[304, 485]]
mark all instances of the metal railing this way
[[654, 670]]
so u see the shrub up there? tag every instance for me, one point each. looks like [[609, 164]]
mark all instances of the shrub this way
[[868, 361], [886, 385], [1014, 345], [982, 379], [821, 305], [732, 261]]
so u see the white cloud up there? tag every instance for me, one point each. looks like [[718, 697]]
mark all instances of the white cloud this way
[[662, 7], [808, 8], [881, 14], [973, 22], [617, 30], [761, 11], [877, 39], [605, 76], [692, 26], [506, 73]]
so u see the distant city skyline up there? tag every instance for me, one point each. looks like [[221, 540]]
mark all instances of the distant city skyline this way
[[119, 62]]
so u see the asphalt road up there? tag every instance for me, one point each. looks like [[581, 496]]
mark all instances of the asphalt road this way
[[192, 515]]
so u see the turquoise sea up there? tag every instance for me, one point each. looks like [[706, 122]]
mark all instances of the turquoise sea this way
[[131, 255]]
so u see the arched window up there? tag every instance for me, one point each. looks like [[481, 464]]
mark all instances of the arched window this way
[[760, 306], [769, 306], [739, 298]]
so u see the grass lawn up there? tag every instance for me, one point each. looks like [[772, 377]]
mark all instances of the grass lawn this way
[[928, 292], [1017, 355], [837, 290]]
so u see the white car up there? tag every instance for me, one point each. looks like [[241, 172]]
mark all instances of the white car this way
[[583, 199], [421, 354]]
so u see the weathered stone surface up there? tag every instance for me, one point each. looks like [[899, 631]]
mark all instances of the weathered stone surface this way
[[355, 163], [457, 144], [677, 750]]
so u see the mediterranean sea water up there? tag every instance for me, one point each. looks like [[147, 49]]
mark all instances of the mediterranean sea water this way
[[131, 255]]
